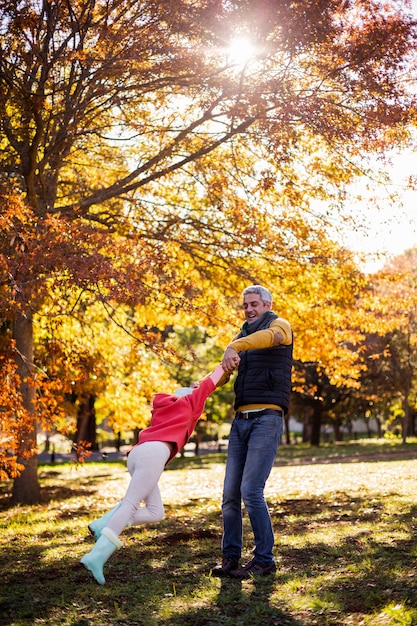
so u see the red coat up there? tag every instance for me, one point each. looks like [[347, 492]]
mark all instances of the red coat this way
[[174, 418]]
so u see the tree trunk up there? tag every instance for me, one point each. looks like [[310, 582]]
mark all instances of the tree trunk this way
[[337, 431], [86, 422], [413, 416], [26, 489], [198, 439], [287, 433], [306, 431], [316, 425], [406, 419]]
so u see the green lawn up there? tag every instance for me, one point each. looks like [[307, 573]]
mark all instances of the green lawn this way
[[346, 546]]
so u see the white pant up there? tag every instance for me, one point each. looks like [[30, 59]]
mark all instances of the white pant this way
[[145, 463]]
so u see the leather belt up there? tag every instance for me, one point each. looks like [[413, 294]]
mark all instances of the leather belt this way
[[249, 415]]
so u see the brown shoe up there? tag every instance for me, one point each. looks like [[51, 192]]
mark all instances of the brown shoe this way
[[253, 569], [228, 564]]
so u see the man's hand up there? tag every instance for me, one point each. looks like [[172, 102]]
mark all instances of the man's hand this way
[[278, 339], [230, 361]]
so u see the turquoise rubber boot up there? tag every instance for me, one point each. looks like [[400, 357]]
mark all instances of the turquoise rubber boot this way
[[94, 560], [97, 526]]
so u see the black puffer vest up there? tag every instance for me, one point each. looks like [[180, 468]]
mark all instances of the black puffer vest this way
[[264, 376]]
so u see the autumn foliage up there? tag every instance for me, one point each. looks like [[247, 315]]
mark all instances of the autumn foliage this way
[[148, 175]]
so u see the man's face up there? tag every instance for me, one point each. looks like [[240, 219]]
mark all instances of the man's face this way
[[254, 307]]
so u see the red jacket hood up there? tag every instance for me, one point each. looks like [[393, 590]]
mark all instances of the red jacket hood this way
[[174, 418]]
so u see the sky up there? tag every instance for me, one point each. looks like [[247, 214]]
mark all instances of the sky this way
[[389, 229], [382, 227]]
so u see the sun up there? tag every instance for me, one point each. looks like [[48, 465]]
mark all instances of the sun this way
[[241, 51]]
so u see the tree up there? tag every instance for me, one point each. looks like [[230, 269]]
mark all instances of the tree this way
[[328, 331], [116, 116], [373, 397], [317, 399], [392, 308], [101, 358]]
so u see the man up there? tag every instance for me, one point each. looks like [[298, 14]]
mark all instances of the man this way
[[263, 349]]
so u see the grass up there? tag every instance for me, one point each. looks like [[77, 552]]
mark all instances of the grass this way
[[346, 546]]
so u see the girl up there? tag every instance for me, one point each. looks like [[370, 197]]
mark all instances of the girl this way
[[173, 419]]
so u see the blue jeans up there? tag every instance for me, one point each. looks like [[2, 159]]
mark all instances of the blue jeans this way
[[253, 446]]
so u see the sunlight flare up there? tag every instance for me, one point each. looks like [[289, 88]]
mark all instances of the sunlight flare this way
[[241, 50]]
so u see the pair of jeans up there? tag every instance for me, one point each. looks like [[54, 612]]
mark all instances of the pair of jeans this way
[[253, 445]]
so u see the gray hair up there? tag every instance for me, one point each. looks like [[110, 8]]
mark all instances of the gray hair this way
[[266, 295]]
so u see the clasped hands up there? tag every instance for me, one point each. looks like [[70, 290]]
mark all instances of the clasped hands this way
[[230, 361]]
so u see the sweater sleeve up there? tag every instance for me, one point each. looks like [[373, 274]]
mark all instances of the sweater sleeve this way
[[224, 379], [264, 338], [199, 395]]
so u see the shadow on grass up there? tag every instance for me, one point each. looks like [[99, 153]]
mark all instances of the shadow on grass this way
[[54, 488], [236, 605], [338, 508], [49, 494], [360, 574], [162, 575], [365, 576], [174, 567], [140, 589]]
